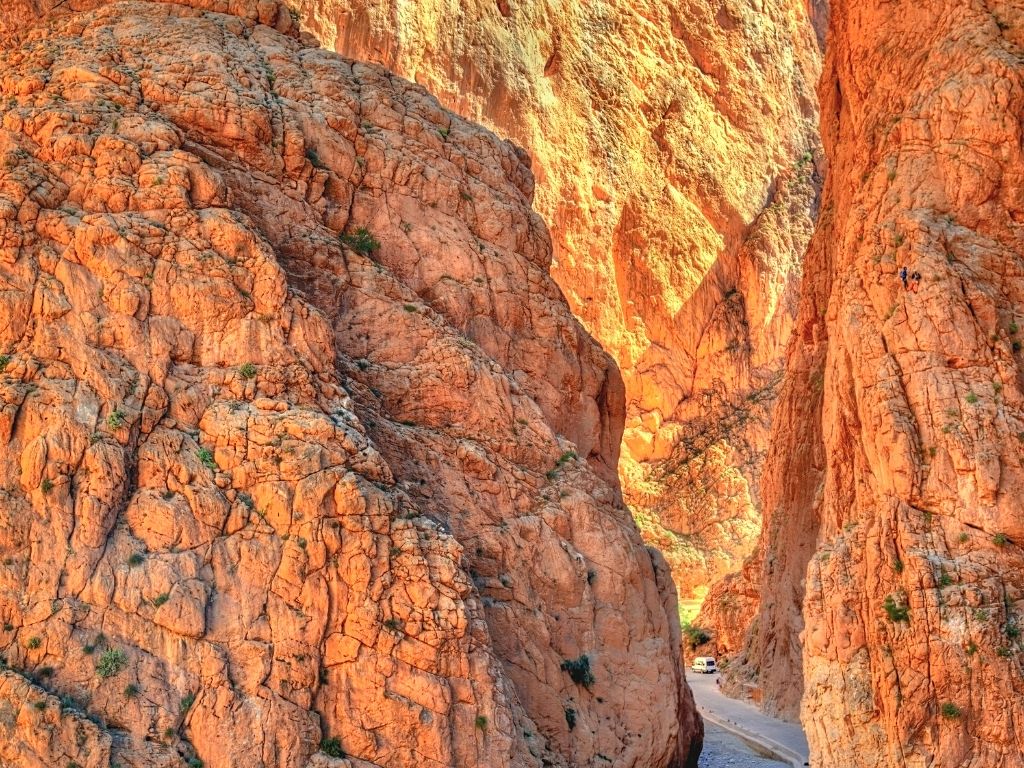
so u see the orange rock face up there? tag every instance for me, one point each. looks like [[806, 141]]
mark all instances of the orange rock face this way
[[673, 145], [271, 495], [895, 478]]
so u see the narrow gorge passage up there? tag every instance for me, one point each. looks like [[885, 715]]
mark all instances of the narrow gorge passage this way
[[429, 385]]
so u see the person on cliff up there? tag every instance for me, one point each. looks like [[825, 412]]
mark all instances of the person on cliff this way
[[903, 277], [915, 281]]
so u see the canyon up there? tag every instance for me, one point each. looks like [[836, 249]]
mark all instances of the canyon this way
[[291, 407], [376, 377], [674, 147]]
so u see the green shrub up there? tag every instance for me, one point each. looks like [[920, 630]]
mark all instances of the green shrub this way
[[34, 642], [206, 457], [4, 362], [111, 661], [314, 158], [695, 635], [972, 648], [972, 398], [47, 485], [579, 670], [896, 611], [570, 717], [481, 722], [40, 705], [248, 371], [945, 579], [135, 559], [897, 565], [131, 691], [161, 599], [116, 419], [186, 702], [332, 747], [1000, 539], [361, 241], [950, 710]]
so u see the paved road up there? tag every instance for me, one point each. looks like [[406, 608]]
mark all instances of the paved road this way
[[723, 750], [747, 719]]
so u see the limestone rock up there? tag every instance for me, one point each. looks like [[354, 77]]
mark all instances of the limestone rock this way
[[892, 548], [303, 452], [674, 145]]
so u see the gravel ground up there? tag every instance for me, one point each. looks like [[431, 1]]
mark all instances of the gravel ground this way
[[722, 750]]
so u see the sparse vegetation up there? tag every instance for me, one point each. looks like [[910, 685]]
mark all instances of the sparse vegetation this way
[[950, 710], [116, 419], [160, 599], [33, 643], [393, 624], [1000, 539], [131, 691], [47, 485], [481, 722], [111, 661], [896, 611], [247, 371], [135, 559], [695, 635], [972, 648], [409, 307], [945, 579], [186, 702], [206, 457], [332, 747], [361, 241], [579, 670], [314, 158], [4, 362], [972, 398], [897, 565]]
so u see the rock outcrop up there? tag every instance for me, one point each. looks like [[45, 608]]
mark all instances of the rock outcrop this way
[[674, 147], [895, 477], [291, 412]]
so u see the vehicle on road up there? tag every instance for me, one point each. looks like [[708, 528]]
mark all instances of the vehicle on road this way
[[704, 664]]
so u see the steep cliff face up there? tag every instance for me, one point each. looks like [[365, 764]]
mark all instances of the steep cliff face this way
[[272, 495], [673, 145], [895, 480]]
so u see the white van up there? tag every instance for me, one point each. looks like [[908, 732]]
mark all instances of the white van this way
[[704, 664]]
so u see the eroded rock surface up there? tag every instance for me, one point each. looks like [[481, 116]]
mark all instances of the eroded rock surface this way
[[271, 496], [674, 146], [895, 478]]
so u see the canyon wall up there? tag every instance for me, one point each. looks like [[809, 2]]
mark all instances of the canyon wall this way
[[892, 542], [674, 148], [290, 408]]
